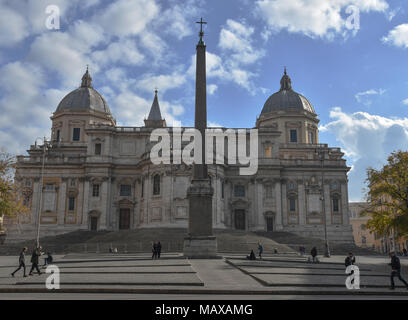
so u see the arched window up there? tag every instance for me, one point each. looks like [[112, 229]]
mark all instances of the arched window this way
[[156, 185]]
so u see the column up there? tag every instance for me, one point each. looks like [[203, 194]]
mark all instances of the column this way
[[62, 201], [86, 202], [302, 204], [278, 195], [259, 206], [327, 203], [284, 205], [344, 203], [104, 202]]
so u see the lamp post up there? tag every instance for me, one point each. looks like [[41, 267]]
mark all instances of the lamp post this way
[[45, 146], [320, 152]]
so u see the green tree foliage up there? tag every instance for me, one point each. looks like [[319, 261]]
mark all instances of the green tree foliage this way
[[11, 203], [387, 196]]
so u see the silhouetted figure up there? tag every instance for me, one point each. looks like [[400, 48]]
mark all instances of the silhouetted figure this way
[[251, 255], [350, 260], [159, 246], [21, 262], [35, 257], [396, 270], [49, 259], [154, 250], [313, 253]]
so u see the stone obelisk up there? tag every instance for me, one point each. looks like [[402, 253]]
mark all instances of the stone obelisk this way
[[200, 242]]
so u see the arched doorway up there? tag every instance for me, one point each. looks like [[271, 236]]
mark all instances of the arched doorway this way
[[93, 220], [269, 223], [239, 219]]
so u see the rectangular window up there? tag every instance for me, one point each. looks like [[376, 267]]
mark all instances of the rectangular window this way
[[142, 189], [293, 135], [95, 190], [335, 205], [125, 190], [239, 191], [58, 136], [76, 134], [292, 205], [222, 189], [98, 148], [71, 203], [49, 187]]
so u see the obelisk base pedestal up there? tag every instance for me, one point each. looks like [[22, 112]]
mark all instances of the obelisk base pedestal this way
[[204, 247]]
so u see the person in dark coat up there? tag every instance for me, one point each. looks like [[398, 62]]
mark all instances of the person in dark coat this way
[[251, 255], [350, 260], [313, 253], [396, 270], [21, 262], [35, 259], [154, 250], [48, 260], [158, 249]]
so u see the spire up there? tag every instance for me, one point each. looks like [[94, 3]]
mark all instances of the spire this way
[[286, 83], [154, 119], [201, 33], [86, 79]]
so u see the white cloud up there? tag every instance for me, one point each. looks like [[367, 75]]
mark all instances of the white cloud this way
[[13, 26], [365, 97], [123, 51], [398, 36], [368, 140], [314, 18], [127, 17], [211, 88], [162, 82], [405, 101]]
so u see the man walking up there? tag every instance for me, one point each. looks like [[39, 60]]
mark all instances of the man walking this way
[[313, 253], [260, 249], [21, 262], [35, 260], [350, 260], [154, 250], [158, 249], [396, 270]]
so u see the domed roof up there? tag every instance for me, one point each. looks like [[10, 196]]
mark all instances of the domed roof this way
[[84, 98], [287, 99]]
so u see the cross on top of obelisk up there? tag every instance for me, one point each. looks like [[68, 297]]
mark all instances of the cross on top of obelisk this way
[[201, 34]]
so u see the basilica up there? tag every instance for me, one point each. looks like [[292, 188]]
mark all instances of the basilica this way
[[95, 175]]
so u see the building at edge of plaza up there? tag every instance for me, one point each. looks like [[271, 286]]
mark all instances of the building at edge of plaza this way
[[98, 176]]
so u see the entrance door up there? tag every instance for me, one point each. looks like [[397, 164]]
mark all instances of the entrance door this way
[[240, 219], [124, 219], [269, 223], [94, 223]]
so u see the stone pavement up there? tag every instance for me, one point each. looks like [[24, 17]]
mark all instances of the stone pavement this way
[[233, 276]]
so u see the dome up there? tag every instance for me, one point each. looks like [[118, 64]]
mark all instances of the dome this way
[[84, 98], [287, 99]]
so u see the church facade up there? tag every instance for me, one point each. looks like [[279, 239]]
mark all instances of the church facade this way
[[96, 175]]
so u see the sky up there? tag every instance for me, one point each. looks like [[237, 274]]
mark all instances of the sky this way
[[348, 57]]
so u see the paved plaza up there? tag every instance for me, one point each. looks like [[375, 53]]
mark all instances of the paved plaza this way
[[137, 276]]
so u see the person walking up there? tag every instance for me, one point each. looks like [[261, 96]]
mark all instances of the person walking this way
[[251, 255], [260, 249], [35, 259], [154, 250], [21, 262], [395, 270], [159, 246], [313, 253]]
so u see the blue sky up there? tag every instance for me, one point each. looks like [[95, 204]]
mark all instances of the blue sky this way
[[355, 77]]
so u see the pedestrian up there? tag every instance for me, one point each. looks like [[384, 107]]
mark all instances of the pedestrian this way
[[404, 251], [48, 260], [313, 253], [158, 249], [260, 249], [35, 257], [251, 255], [154, 250], [396, 270], [275, 250], [350, 260], [21, 262]]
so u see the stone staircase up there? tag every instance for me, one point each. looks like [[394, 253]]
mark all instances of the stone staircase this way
[[140, 240], [294, 241]]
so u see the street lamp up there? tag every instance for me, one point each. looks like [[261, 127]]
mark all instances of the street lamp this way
[[320, 152], [45, 146]]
